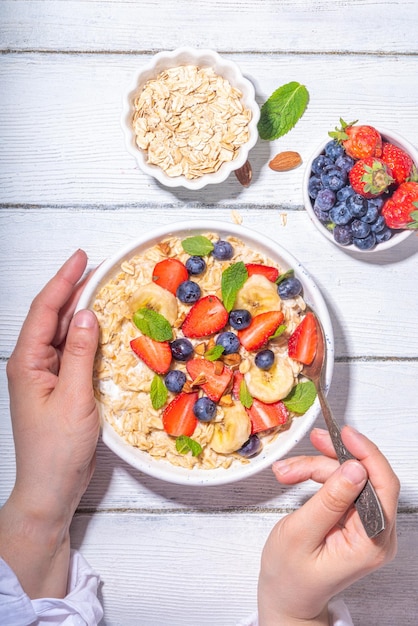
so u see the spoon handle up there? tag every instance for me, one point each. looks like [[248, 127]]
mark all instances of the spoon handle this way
[[367, 503]]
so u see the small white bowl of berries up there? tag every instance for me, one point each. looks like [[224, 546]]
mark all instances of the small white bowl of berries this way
[[361, 188]]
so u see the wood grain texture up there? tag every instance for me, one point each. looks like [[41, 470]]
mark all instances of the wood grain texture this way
[[169, 554]]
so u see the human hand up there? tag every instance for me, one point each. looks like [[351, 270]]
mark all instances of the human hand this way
[[54, 417], [322, 548]]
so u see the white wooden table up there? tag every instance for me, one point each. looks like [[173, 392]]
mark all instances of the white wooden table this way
[[177, 555]]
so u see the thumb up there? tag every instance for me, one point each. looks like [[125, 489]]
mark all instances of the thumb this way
[[326, 508], [76, 370]]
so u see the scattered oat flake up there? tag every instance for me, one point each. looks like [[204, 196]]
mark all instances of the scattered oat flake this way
[[283, 218], [236, 216]]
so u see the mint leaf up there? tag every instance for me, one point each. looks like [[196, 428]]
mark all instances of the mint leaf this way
[[414, 216], [301, 398], [232, 280], [279, 331], [214, 353], [153, 324], [185, 444], [284, 276], [197, 246], [282, 110], [159, 393], [245, 397]]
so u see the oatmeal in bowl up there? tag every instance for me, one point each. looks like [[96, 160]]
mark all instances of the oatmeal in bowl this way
[[204, 330]]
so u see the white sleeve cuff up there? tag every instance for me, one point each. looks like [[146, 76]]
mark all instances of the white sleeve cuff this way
[[80, 607]]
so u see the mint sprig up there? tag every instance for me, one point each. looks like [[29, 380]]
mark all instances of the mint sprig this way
[[279, 331], [153, 324], [301, 398], [232, 280], [214, 353], [245, 397], [185, 444], [158, 392], [282, 110], [284, 276], [197, 245]]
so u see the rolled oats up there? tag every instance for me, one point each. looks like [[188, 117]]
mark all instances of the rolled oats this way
[[190, 121]]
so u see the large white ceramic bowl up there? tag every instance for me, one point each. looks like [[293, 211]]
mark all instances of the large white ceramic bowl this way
[[398, 236], [199, 58], [286, 440]]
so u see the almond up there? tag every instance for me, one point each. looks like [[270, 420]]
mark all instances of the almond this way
[[244, 174], [285, 161]]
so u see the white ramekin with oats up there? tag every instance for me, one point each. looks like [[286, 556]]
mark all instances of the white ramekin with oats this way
[[198, 371]]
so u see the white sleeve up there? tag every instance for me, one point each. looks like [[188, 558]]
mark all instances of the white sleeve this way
[[80, 607], [338, 615]]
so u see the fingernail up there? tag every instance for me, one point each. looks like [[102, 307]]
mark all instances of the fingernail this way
[[84, 319], [320, 432], [354, 472], [281, 467]]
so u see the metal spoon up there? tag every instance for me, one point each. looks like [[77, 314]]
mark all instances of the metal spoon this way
[[367, 503]]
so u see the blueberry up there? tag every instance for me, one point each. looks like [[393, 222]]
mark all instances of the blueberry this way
[[379, 224], [344, 193], [314, 185], [181, 349], [229, 341], [289, 288], [334, 179], [204, 409], [195, 265], [251, 447], [365, 243], [344, 162], [188, 292], [222, 250], [320, 162], [340, 214], [357, 205], [325, 200], [321, 215], [383, 235], [371, 214], [174, 380], [333, 150], [264, 359], [360, 229], [240, 319], [343, 235]]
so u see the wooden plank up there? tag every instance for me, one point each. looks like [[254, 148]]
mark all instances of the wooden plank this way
[[62, 142], [35, 242], [269, 26], [374, 397], [182, 570]]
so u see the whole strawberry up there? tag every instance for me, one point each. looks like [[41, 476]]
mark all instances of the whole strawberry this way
[[359, 142], [401, 210], [399, 161], [370, 177]]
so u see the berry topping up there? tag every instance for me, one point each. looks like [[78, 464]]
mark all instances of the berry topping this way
[[229, 341], [240, 319], [188, 292], [222, 250], [304, 340], [155, 354], [264, 359], [181, 349], [178, 417], [262, 327], [215, 381], [205, 409], [265, 270], [174, 380], [169, 273], [289, 288], [206, 317], [195, 265]]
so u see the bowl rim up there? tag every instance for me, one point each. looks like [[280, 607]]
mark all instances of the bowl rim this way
[[162, 469], [203, 57], [397, 237]]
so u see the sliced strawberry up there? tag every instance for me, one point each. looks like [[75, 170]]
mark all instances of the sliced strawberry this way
[[178, 417], [206, 317], [169, 273], [303, 341], [261, 328], [238, 378], [264, 416], [156, 354], [216, 384], [265, 270]]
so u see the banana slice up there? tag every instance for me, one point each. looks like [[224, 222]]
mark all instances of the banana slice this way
[[152, 296], [270, 385], [258, 295], [234, 430]]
